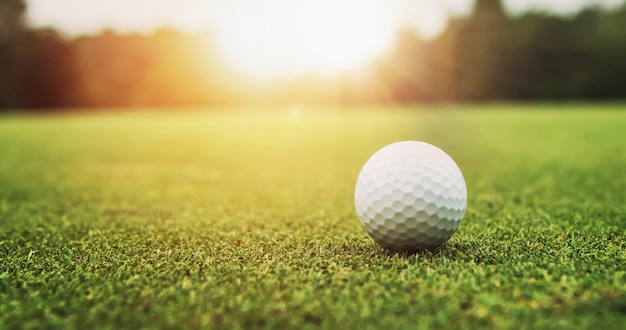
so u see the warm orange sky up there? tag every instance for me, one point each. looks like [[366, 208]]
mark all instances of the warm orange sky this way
[[271, 38], [81, 16]]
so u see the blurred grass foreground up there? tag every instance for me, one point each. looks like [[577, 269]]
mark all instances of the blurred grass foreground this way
[[487, 55]]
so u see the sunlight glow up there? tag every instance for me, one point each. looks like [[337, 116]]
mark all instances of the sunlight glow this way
[[286, 38]]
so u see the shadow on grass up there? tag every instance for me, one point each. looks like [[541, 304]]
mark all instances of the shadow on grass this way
[[456, 250]]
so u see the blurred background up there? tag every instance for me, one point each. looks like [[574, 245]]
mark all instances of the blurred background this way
[[59, 54]]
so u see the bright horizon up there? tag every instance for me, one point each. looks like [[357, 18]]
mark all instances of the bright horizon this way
[[279, 37], [89, 17]]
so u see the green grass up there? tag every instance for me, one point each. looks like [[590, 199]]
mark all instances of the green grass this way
[[245, 220]]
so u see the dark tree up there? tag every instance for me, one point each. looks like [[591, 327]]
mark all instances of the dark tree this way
[[35, 65], [11, 30], [11, 19]]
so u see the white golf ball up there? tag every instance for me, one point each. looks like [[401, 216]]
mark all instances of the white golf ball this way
[[410, 196]]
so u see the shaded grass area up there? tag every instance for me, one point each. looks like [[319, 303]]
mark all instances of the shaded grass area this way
[[244, 219]]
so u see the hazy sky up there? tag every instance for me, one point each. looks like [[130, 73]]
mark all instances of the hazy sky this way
[[74, 17]]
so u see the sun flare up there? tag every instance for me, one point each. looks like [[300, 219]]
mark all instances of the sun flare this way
[[286, 38]]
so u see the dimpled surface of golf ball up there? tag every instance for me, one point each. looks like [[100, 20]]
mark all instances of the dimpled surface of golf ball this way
[[410, 196]]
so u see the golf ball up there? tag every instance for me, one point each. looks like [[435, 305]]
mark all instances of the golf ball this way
[[410, 196]]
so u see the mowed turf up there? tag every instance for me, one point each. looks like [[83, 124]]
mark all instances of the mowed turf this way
[[244, 219]]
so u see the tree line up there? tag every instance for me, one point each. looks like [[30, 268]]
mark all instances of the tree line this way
[[487, 55]]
